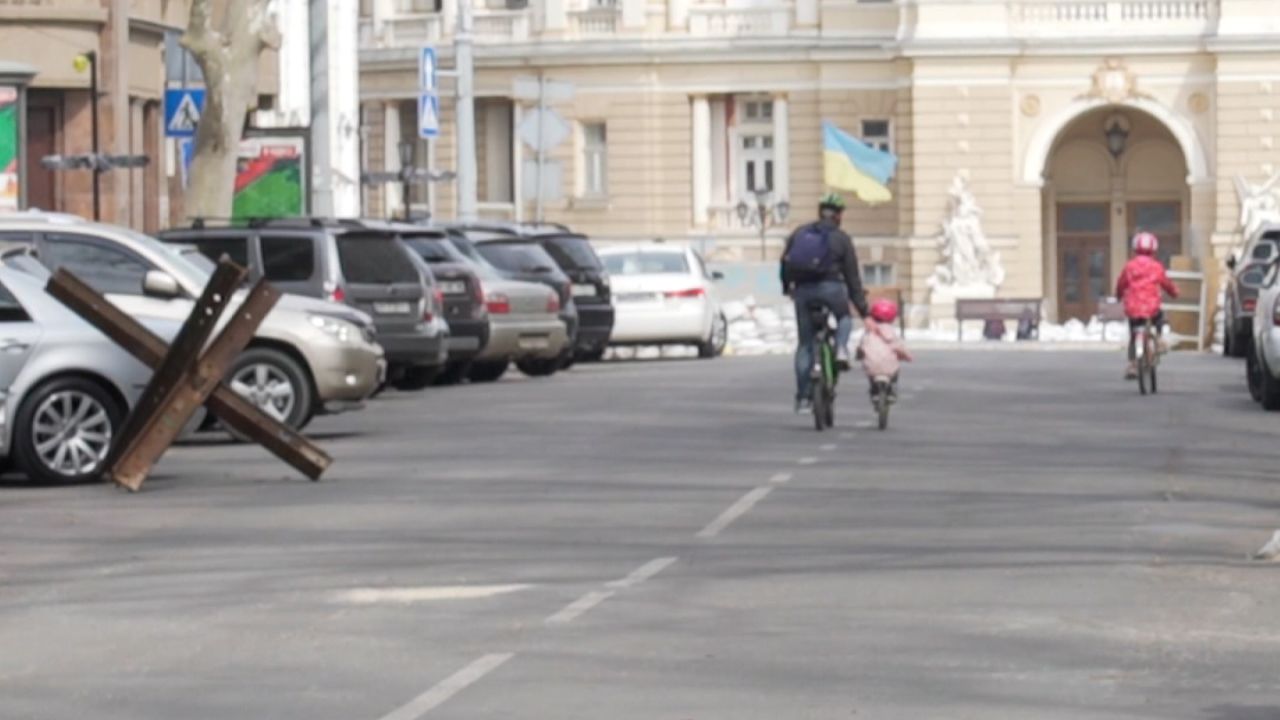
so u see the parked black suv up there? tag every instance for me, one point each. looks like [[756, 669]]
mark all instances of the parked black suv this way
[[464, 306], [591, 293], [360, 263]]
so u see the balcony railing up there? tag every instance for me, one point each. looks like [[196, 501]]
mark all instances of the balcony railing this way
[[595, 22], [494, 26], [1047, 18], [402, 30], [716, 21]]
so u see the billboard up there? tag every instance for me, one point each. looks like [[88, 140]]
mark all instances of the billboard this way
[[271, 178], [9, 191]]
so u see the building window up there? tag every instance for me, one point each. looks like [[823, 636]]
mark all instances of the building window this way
[[758, 111], [595, 160], [878, 134], [756, 158], [877, 274], [753, 152]]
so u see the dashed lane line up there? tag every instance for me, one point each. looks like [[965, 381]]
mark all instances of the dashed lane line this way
[[808, 461], [578, 607], [828, 447], [781, 479], [447, 688], [642, 573], [735, 511]]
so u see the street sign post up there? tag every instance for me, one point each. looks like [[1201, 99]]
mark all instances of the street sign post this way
[[428, 116], [542, 130], [427, 70], [182, 108]]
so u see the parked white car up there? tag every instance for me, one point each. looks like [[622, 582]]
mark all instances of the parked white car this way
[[664, 295], [1263, 359]]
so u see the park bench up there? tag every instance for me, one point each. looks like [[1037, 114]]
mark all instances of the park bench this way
[[997, 309]]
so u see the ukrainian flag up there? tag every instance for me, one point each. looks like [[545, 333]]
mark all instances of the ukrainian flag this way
[[852, 165]]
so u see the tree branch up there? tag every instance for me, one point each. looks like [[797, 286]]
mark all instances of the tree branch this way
[[200, 36]]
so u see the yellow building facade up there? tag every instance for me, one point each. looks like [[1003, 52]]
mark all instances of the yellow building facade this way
[[1071, 122]]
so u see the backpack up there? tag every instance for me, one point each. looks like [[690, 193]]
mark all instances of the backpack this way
[[809, 259]]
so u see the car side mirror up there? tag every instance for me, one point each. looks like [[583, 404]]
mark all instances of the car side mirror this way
[[160, 284], [717, 275]]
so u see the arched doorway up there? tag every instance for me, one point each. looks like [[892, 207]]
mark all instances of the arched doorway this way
[[1111, 171]]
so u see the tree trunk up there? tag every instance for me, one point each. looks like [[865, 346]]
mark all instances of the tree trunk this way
[[228, 57]]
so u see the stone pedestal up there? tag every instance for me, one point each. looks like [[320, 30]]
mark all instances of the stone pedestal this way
[[942, 304]]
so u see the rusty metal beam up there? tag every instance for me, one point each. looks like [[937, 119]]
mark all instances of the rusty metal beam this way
[[232, 409]]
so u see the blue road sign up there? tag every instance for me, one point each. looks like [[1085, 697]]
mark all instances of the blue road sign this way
[[182, 108], [428, 115], [427, 70]]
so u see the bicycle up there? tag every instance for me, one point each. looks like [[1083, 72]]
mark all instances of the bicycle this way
[[881, 399], [824, 373], [1145, 353]]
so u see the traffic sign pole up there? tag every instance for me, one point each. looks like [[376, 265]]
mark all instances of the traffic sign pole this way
[[466, 128], [541, 150]]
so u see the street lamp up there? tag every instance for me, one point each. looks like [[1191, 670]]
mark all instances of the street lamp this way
[[406, 173], [1117, 132], [88, 61], [764, 214]]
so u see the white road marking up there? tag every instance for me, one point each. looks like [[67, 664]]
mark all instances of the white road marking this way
[[847, 435], [447, 688], [864, 424], [573, 610], [408, 595], [828, 447], [735, 511], [781, 478], [808, 460], [642, 573]]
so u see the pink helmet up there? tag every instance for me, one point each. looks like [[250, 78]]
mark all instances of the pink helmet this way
[[1144, 243], [883, 310]]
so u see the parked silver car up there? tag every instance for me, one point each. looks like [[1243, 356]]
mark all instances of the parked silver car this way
[[65, 387], [1262, 363]]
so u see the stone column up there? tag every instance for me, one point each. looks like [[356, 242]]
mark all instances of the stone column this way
[[554, 17], [633, 14], [393, 199], [678, 15], [781, 149], [807, 13], [701, 154]]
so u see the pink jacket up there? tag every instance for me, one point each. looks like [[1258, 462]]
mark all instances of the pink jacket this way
[[881, 351]]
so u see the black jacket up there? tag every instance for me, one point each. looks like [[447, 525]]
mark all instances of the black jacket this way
[[844, 268]]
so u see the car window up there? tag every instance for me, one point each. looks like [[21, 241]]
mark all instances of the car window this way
[[10, 309], [524, 257], [236, 248], [288, 258], [10, 240], [646, 263], [435, 250], [1253, 276], [375, 259], [106, 269], [573, 252]]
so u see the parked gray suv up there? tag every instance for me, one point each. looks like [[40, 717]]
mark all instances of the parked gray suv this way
[[349, 261]]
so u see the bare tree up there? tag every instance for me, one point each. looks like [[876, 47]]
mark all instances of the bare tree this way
[[228, 57]]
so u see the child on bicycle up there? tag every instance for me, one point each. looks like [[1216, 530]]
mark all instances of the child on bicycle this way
[[1139, 288], [881, 350]]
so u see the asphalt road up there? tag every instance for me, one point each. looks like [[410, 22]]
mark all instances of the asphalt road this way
[[665, 541]]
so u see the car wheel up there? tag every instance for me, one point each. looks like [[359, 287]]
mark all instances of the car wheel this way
[[487, 371], [454, 373], [1269, 387], [714, 345], [64, 429], [275, 383], [1253, 377], [1241, 344], [540, 367], [417, 377]]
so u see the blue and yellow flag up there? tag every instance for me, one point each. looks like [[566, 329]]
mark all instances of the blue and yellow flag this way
[[852, 165]]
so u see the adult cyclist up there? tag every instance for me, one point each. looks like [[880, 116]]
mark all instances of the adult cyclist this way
[[819, 264]]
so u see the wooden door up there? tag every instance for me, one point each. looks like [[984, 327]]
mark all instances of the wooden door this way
[[1162, 218], [42, 129], [1084, 259]]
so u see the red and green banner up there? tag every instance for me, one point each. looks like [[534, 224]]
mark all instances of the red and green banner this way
[[270, 178], [8, 148]]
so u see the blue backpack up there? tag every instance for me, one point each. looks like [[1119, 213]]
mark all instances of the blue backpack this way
[[809, 259]]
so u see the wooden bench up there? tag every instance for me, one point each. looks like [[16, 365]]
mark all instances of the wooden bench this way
[[997, 309]]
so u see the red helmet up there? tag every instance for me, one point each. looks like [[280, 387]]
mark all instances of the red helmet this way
[[1144, 243], [883, 310]]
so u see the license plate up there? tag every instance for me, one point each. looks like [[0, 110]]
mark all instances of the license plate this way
[[584, 290], [391, 308], [635, 297], [534, 343], [453, 287], [464, 343]]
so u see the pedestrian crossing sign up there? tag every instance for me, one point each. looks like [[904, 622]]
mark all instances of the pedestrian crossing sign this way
[[182, 110], [428, 115]]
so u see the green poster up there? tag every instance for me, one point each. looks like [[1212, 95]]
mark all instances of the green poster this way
[[8, 148], [269, 179]]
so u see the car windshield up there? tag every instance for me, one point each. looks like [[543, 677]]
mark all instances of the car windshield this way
[[375, 259], [483, 267], [176, 262], [573, 251], [643, 262], [435, 249], [522, 257]]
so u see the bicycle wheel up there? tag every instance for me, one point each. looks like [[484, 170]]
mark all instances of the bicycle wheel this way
[[829, 418], [1153, 359], [882, 406], [1141, 360], [819, 398]]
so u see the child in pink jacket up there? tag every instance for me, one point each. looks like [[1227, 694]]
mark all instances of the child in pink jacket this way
[[881, 349]]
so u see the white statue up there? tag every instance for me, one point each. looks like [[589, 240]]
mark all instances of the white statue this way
[[1258, 204], [967, 259]]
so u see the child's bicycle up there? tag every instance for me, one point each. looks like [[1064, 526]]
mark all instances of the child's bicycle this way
[[882, 399], [824, 373], [1146, 356]]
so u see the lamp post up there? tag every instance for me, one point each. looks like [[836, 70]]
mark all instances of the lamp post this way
[[763, 215], [406, 148], [1117, 134], [82, 62]]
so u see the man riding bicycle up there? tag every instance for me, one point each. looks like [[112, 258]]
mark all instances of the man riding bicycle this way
[[1139, 286], [819, 265]]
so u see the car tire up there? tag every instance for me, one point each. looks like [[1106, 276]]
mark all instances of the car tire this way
[[454, 373], [1253, 377], [715, 343], [1269, 387], [417, 377], [260, 374], [540, 367], [483, 372], [1241, 344], [103, 419]]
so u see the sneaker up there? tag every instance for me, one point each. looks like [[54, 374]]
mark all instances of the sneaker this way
[[1131, 372], [804, 406], [842, 358]]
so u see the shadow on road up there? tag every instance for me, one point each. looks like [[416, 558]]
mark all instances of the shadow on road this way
[[1243, 712]]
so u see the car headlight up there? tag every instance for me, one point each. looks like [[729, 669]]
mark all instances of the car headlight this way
[[340, 329]]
